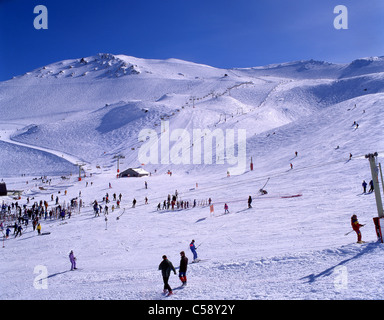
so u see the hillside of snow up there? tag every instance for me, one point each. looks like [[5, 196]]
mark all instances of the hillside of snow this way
[[290, 245]]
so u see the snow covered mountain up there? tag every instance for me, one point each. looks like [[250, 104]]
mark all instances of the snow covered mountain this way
[[94, 107], [91, 109]]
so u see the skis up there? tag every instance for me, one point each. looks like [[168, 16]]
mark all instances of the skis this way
[[199, 260]]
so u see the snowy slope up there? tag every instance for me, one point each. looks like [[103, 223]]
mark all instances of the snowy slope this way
[[283, 248]]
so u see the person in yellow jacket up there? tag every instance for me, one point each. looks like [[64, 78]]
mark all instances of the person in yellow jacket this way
[[38, 228]]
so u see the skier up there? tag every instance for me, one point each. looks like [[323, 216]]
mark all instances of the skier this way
[[249, 202], [72, 258], [7, 232], [371, 186], [226, 208], [183, 268], [19, 228], [356, 227], [166, 267], [38, 228], [146, 185], [193, 249], [133, 203], [364, 184]]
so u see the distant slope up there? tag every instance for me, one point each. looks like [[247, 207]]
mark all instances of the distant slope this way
[[95, 107]]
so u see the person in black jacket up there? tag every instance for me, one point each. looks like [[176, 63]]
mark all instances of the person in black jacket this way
[[183, 268], [371, 186], [166, 267]]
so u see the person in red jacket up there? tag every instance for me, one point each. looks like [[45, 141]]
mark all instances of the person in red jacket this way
[[356, 227]]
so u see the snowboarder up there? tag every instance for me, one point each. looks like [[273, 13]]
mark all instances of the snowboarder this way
[[371, 186], [72, 258], [249, 202], [364, 184], [356, 227], [193, 249], [226, 208], [183, 268], [166, 267]]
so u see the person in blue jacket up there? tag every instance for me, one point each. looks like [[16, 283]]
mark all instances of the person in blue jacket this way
[[7, 232], [193, 249]]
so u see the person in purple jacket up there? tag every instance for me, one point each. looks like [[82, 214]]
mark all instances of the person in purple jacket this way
[[72, 258]]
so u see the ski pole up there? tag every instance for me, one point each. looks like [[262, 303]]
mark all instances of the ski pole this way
[[265, 184], [353, 230]]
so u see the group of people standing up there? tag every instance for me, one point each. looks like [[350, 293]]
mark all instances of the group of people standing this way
[[371, 187], [166, 267]]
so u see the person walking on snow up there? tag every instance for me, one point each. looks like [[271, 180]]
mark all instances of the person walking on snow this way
[[249, 202], [72, 258], [226, 208], [371, 186], [364, 184], [356, 227], [183, 268], [166, 267], [193, 249]]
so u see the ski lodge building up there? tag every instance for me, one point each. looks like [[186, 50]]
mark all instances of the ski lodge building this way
[[133, 172]]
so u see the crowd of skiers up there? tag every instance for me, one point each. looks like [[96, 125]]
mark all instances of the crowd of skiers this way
[[18, 217]]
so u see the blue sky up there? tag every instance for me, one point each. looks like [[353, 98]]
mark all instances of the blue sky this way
[[226, 34]]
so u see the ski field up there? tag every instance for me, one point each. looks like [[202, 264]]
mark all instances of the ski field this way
[[290, 245]]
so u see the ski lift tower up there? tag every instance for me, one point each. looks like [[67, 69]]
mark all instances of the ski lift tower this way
[[118, 157], [80, 165], [378, 221], [375, 179]]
